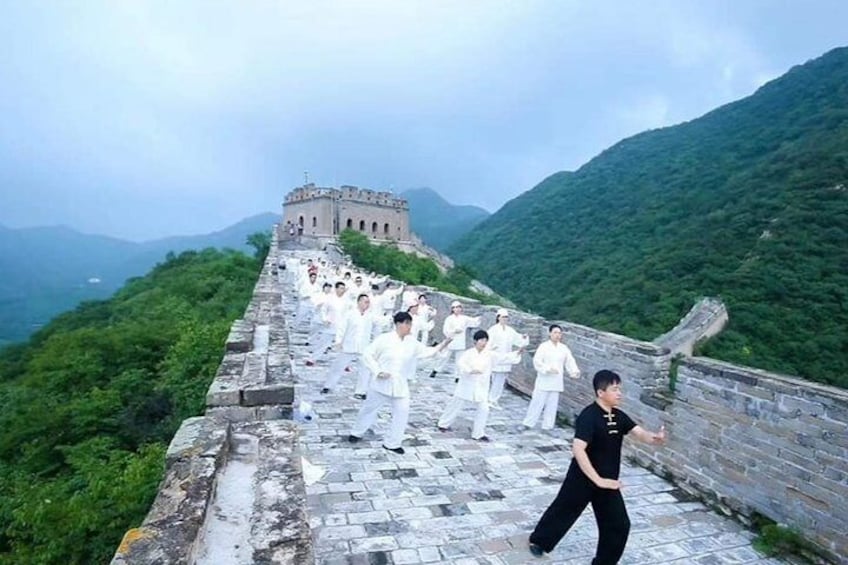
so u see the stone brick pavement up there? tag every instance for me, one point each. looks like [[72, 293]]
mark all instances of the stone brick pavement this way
[[450, 499]]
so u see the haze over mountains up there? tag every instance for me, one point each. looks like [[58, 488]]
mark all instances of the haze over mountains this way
[[749, 203], [438, 222], [48, 270]]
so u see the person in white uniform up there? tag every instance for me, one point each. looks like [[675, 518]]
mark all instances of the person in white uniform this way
[[392, 358], [454, 327], [475, 367], [550, 359], [503, 339], [428, 316], [352, 337]]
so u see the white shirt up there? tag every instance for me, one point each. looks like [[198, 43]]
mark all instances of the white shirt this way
[[397, 357], [475, 368], [501, 340], [454, 326], [335, 310], [549, 361], [354, 334]]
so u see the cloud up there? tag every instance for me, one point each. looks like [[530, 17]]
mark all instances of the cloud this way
[[186, 116]]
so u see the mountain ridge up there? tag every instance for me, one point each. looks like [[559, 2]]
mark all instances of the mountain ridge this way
[[438, 222], [742, 203], [47, 268]]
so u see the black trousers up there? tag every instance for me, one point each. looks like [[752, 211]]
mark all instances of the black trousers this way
[[610, 515]]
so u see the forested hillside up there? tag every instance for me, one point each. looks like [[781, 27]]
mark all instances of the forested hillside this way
[[46, 270], [749, 203], [438, 222], [89, 404]]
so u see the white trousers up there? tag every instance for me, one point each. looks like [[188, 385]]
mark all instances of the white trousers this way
[[497, 387], [368, 415], [546, 400], [424, 336], [305, 310], [443, 361], [337, 369], [321, 340], [455, 404]]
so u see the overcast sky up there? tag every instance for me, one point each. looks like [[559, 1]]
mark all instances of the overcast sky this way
[[146, 119]]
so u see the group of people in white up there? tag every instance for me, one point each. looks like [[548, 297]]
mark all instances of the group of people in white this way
[[357, 316]]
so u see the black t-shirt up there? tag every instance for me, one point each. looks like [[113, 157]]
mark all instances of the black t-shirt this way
[[603, 432]]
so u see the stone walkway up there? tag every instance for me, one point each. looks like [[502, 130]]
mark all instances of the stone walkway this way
[[450, 499]]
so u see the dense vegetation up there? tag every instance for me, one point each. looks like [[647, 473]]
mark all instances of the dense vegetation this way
[[90, 403], [438, 222], [748, 203], [391, 261]]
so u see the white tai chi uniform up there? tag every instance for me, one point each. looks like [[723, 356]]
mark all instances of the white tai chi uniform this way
[[475, 368], [549, 361], [334, 311], [428, 314], [352, 335], [454, 327], [397, 357], [502, 339]]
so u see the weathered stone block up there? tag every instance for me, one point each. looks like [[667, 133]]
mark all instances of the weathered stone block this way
[[268, 394]]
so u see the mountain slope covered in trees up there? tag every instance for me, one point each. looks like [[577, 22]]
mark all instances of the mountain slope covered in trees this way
[[46, 270], [749, 203], [438, 222], [89, 404]]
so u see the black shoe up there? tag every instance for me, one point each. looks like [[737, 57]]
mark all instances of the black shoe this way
[[325, 390], [360, 396], [353, 439], [398, 450], [441, 429], [483, 438], [536, 550], [432, 374], [456, 380]]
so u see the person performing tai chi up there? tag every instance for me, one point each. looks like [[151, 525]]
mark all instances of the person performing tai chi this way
[[392, 358], [475, 367], [502, 339], [454, 327], [592, 477], [549, 360], [352, 337]]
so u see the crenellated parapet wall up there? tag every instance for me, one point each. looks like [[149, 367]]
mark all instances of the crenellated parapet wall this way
[[706, 319], [744, 440], [323, 211], [247, 424]]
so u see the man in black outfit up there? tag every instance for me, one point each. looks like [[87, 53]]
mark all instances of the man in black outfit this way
[[593, 475]]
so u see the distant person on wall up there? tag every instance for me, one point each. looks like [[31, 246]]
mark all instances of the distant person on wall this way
[[549, 361], [503, 339], [592, 477], [392, 358], [474, 367], [428, 316], [454, 327]]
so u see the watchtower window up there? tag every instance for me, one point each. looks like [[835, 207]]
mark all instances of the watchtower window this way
[[314, 221], [374, 227], [349, 223], [300, 221], [361, 225], [386, 229]]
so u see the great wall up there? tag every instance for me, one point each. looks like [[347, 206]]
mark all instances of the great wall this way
[[244, 483]]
